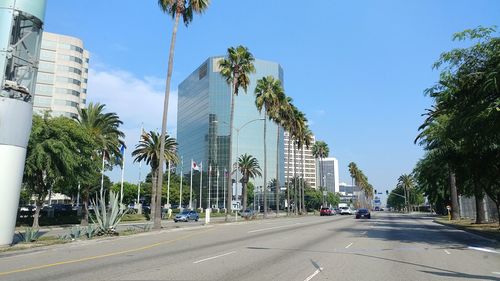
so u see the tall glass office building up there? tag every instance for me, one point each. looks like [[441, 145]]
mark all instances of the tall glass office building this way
[[203, 128]]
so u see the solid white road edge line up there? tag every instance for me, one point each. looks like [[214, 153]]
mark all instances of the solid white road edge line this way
[[211, 258], [314, 274], [495, 272], [347, 247], [446, 251], [483, 249]]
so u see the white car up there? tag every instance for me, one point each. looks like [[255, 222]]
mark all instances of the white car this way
[[346, 211]]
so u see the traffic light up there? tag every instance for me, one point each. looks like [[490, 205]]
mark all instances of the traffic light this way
[[375, 191], [387, 192]]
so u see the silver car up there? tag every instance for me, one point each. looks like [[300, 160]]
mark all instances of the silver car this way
[[187, 216]]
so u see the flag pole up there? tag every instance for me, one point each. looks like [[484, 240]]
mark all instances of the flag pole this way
[[201, 179], [224, 188], [209, 205], [217, 193], [191, 188], [123, 173], [168, 185], [182, 175]]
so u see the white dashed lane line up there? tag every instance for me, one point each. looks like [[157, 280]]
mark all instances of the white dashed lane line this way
[[211, 258], [446, 251], [314, 274], [483, 250], [347, 247]]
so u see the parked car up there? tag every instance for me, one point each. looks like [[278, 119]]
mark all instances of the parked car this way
[[363, 213], [346, 211], [325, 212], [187, 216], [248, 213]]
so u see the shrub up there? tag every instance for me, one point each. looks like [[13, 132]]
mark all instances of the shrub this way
[[29, 235]]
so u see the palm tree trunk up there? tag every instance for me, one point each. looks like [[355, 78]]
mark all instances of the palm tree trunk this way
[[289, 178], [244, 195], [265, 165], [277, 188], [85, 214], [157, 210], [303, 183], [229, 174], [455, 214], [295, 205], [323, 178], [154, 183]]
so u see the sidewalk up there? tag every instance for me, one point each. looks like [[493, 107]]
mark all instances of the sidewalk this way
[[489, 231]]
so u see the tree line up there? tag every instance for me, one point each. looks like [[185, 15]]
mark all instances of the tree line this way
[[461, 131]]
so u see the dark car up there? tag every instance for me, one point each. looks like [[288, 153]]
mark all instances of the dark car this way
[[325, 212], [187, 216], [363, 213]]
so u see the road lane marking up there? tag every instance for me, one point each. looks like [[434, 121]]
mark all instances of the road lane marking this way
[[495, 272], [483, 250], [347, 247], [275, 227], [446, 251], [103, 255], [314, 274], [363, 233], [211, 258]]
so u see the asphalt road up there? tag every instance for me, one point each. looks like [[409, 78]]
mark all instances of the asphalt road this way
[[387, 247]]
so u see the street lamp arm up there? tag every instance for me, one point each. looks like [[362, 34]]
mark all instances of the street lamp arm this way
[[251, 121]]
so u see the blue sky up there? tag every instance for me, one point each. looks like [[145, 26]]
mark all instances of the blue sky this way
[[358, 69]]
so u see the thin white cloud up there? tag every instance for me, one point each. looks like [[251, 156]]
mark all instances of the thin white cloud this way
[[137, 101]]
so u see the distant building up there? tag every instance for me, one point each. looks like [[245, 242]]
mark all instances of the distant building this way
[[349, 193], [328, 169], [294, 157], [61, 85]]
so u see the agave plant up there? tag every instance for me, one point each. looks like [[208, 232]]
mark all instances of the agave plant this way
[[91, 231], [29, 235], [107, 218]]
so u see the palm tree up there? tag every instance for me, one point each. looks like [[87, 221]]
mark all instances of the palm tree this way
[[176, 9], [269, 96], [320, 150], [148, 150], [236, 68], [298, 126], [104, 130], [249, 169], [286, 120], [307, 137], [406, 182]]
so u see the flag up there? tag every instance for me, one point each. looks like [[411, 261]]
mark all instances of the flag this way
[[194, 166]]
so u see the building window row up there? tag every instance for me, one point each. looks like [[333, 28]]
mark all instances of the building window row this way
[[66, 102], [70, 58], [47, 55], [69, 69], [71, 47], [68, 80], [67, 92]]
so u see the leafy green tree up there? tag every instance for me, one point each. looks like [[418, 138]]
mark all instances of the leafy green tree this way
[[249, 168], [104, 130], [176, 9], [56, 148], [129, 191], [235, 68], [463, 124], [332, 198], [269, 96], [148, 150]]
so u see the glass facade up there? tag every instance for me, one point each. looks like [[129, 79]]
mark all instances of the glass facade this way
[[203, 128]]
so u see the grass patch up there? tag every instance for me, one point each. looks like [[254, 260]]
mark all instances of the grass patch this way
[[488, 230], [133, 217], [43, 241]]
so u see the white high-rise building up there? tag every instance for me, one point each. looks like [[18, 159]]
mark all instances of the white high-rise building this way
[[61, 85], [328, 169], [308, 167]]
